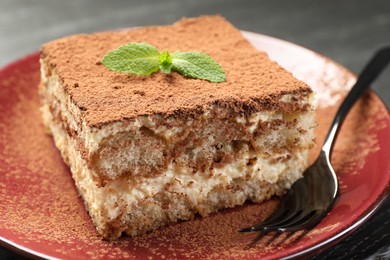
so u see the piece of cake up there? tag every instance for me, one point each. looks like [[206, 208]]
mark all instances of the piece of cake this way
[[148, 151]]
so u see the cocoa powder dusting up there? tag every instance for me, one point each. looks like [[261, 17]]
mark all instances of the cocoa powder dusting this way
[[217, 235]]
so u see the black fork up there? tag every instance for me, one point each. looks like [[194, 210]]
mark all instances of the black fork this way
[[311, 198]]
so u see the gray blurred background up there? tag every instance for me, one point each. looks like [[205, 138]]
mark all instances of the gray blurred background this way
[[347, 31]]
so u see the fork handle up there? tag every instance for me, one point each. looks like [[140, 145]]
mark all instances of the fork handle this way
[[372, 70]]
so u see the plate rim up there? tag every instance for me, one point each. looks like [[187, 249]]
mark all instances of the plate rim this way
[[322, 245]]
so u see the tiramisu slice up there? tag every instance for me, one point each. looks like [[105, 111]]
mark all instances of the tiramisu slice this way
[[146, 151]]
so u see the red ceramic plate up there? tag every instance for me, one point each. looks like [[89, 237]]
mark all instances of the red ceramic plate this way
[[42, 214]]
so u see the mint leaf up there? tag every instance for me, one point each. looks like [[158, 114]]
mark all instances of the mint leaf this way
[[197, 65], [136, 58], [165, 62], [144, 59]]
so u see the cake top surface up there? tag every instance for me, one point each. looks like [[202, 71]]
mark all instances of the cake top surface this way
[[253, 80]]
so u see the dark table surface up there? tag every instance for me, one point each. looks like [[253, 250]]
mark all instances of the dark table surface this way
[[347, 31]]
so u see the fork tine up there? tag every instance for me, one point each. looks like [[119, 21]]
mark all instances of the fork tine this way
[[279, 213], [297, 221], [250, 229], [307, 222], [280, 216], [275, 217], [291, 218]]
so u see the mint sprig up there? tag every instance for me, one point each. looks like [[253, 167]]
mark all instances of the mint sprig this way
[[144, 59]]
